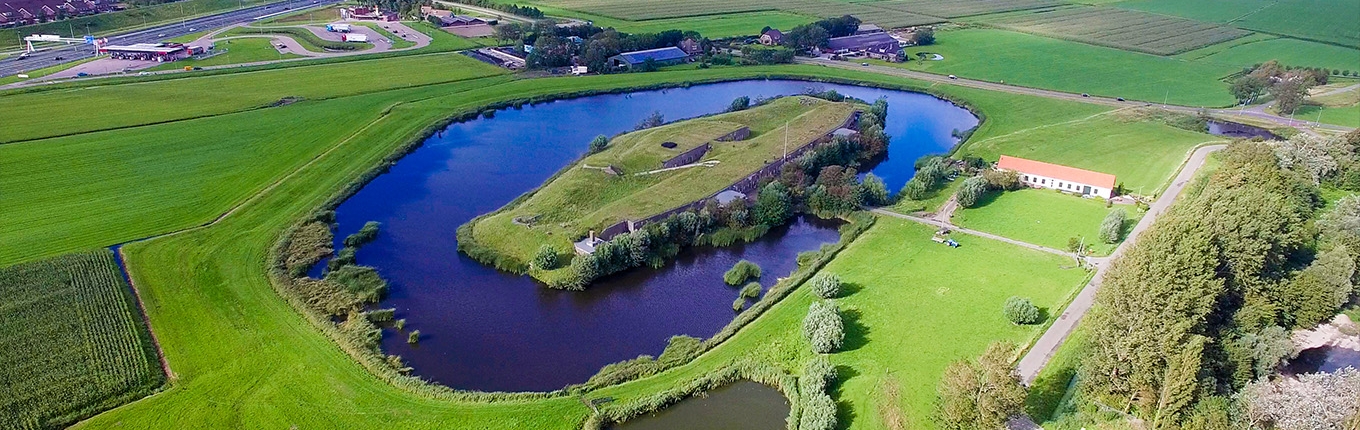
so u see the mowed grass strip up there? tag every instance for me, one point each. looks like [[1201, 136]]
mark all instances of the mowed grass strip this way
[[74, 342], [1044, 217], [104, 107]]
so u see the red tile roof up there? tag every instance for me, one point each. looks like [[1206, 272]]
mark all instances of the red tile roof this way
[[1070, 174]]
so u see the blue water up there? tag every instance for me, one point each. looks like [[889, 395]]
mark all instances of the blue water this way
[[486, 330]]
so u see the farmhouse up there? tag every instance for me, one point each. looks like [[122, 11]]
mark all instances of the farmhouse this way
[[659, 56], [1039, 174], [771, 38], [874, 45]]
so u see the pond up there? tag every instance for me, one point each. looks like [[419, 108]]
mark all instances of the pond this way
[[1325, 359], [487, 330], [742, 405], [1238, 130]]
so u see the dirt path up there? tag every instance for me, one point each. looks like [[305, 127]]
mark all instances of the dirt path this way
[[937, 223], [1044, 348]]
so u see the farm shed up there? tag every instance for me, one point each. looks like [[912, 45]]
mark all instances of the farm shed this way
[[876, 45], [1039, 174], [661, 56]]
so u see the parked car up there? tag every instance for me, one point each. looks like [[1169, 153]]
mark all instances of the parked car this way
[[59, 58], [864, 64], [1085, 95], [1119, 98], [953, 77]]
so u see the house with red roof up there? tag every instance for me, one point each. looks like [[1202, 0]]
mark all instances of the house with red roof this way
[[1039, 174]]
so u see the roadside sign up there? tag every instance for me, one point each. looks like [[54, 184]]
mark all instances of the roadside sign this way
[[89, 40]]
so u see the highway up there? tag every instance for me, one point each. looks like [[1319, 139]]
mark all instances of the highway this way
[[59, 55]]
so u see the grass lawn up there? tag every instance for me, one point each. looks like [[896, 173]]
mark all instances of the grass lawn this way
[[1348, 115], [75, 343], [1142, 154], [931, 203], [1041, 62], [583, 199], [244, 358], [1043, 217], [236, 51]]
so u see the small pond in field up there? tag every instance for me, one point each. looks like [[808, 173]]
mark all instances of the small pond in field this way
[[1239, 130], [486, 330], [1325, 359], [740, 406]]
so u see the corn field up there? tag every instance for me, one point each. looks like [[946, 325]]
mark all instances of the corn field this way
[[640, 10], [961, 8], [1120, 28], [72, 342]]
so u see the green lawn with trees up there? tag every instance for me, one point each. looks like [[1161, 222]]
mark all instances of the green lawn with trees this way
[[244, 357], [1044, 217]]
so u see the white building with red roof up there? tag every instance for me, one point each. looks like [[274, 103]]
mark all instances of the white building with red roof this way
[[1039, 174]]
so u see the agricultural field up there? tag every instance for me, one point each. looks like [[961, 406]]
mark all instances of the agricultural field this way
[[236, 51], [1260, 48], [1119, 28], [74, 342], [713, 27], [644, 10], [1043, 62], [1327, 21], [961, 8], [585, 198], [1043, 217]]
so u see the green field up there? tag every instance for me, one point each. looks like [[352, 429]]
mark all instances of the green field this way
[[1252, 50], [1329, 21], [1043, 217], [1142, 154], [1119, 28], [105, 24], [1348, 116], [245, 358], [961, 8], [646, 10], [1042, 62], [584, 198], [236, 51], [309, 41], [74, 342], [713, 27]]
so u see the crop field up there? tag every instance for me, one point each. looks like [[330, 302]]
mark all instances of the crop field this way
[[1120, 28], [642, 10], [1261, 48], [727, 25], [961, 8], [209, 296], [1328, 21], [74, 342]]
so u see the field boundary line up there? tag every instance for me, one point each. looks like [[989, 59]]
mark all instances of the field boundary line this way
[[170, 376]]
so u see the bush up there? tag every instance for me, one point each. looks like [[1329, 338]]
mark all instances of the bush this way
[[767, 54], [818, 374], [399, 324], [1002, 180], [414, 337], [365, 235], [739, 104], [972, 191], [823, 327], [916, 190], [1112, 228], [361, 281], [679, 350], [741, 272], [819, 413], [546, 258], [773, 206], [599, 143], [739, 304], [751, 290], [826, 285], [1020, 311], [872, 191]]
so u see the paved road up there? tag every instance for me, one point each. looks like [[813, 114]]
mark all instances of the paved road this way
[[995, 86], [47, 58], [1043, 349]]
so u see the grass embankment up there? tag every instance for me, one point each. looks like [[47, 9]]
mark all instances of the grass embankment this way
[[207, 292], [75, 343], [585, 198], [309, 41], [235, 51], [106, 24], [1044, 217]]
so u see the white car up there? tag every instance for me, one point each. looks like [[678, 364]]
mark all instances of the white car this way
[[953, 77]]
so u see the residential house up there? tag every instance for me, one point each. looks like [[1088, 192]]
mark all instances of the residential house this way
[[1039, 174], [771, 38]]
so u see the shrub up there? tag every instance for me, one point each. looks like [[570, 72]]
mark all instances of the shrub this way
[[1002, 179], [818, 374], [872, 191], [679, 350], [739, 104], [823, 327], [361, 281], [414, 337], [826, 285], [773, 206], [399, 324], [546, 258], [972, 191], [741, 272], [1020, 311], [599, 143], [916, 190], [808, 257], [739, 304], [1112, 228], [819, 413], [751, 290], [365, 235]]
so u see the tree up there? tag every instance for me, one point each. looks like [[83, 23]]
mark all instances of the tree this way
[[826, 285], [546, 258], [773, 206], [739, 104], [1289, 94], [1313, 401], [819, 412], [598, 144], [1180, 385], [818, 375], [509, 32], [1317, 293], [1248, 87], [915, 190], [1316, 157], [924, 36], [823, 327], [1020, 311], [805, 37], [972, 191], [980, 394], [767, 54], [844, 25], [872, 191], [1112, 227], [1007, 180], [1343, 220]]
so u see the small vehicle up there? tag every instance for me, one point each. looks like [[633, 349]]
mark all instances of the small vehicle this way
[[198, 68], [1119, 98], [953, 77], [160, 35], [864, 64], [82, 74], [59, 58], [191, 29], [22, 56], [1085, 95]]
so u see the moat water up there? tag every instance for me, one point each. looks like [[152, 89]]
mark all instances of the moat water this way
[[740, 406], [487, 330]]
